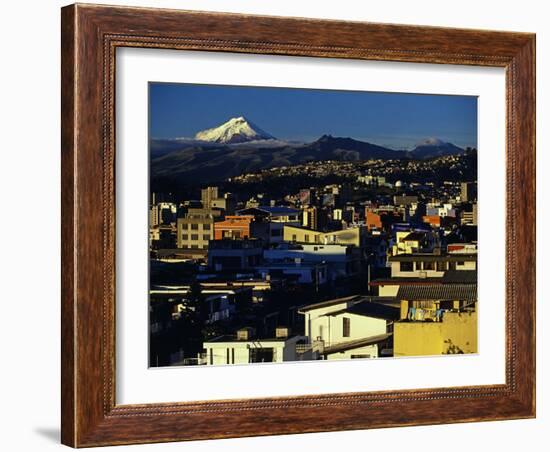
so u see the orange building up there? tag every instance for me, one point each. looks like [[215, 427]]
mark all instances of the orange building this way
[[381, 218], [373, 220], [432, 220], [233, 227]]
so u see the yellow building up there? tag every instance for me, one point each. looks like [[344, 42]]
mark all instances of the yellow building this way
[[455, 333], [436, 319], [351, 236], [412, 242], [196, 229]]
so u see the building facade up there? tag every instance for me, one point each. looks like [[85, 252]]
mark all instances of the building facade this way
[[196, 229]]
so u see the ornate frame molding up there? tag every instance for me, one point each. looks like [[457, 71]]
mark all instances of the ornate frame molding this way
[[91, 35]]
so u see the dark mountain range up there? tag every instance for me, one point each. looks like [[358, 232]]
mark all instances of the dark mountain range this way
[[336, 148], [189, 162], [434, 147]]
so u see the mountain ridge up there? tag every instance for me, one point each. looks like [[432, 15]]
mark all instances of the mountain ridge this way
[[213, 162]]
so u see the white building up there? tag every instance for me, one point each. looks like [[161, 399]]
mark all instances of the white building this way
[[427, 268], [163, 212], [350, 327], [429, 265], [276, 217], [221, 304], [341, 260], [244, 348], [302, 272]]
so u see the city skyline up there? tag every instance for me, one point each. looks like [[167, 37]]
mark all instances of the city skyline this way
[[393, 120]]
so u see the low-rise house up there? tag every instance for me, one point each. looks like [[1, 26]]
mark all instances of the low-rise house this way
[[260, 288], [162, 236], [433, 220], [426, 265], [382, 218], [229, 254], [233, 227], [455, 334], [349, 236], [405, 200], [350, 327], [462, 248], [469, 215], [220, 304], [171, 255], [245, 348], [427, 269], [376, 250], [162, 213], [413, 242], [342, 261], [274, 218], [298, 271], [440, 319]]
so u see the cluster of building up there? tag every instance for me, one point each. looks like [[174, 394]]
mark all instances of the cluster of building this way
[[323, 273]]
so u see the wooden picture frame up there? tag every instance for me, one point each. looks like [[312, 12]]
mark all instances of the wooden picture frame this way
[[90, 36]]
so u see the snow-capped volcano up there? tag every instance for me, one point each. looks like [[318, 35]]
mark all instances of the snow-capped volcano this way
[[432, 141], [432, 147], [236, 130]]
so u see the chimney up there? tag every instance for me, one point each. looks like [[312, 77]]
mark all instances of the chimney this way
[[282, 332], [245, 334]]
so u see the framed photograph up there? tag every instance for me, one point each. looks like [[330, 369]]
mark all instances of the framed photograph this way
[[282, 225]]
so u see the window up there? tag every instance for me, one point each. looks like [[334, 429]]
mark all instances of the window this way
[[206, 237], [261, 355], [441, 266], [346, 326], [184, 226], [206, 226], [195, 226], [194, 236], [306, 238], [406, 266], [184, 237], [294, 238], [429, 265], [359, 356], [227, 356]]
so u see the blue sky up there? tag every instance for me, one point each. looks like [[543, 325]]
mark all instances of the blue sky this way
[[397, 121]]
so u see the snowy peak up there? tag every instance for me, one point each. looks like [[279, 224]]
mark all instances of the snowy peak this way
[[432, 141], [236, 130], [434, 147]]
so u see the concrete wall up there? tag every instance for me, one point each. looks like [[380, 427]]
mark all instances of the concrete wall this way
[[360, 327], [456, 333], [330, 328], [284, 350], [370, 350], [351, 236]]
